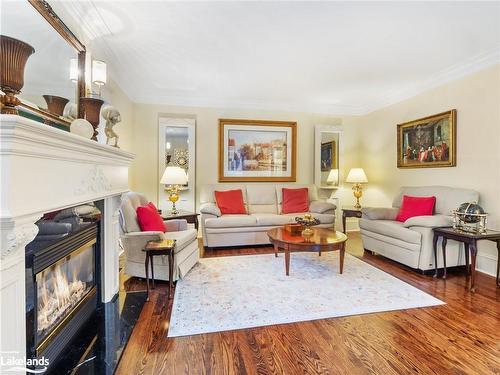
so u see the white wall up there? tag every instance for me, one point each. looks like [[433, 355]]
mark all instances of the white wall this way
[[477, 100]]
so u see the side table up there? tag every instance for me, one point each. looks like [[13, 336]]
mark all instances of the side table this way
[[162, 247], [190, 217], [349, 212], [470, 242]]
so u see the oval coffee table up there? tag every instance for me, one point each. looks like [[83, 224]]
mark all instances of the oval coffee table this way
[[322, 240]]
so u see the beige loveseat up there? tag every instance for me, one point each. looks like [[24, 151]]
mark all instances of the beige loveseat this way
[[263, 204], [411, 242], [133, 241]]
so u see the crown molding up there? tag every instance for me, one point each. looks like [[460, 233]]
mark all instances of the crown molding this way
[[452, 73]]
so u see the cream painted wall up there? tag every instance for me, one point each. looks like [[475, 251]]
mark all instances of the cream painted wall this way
[[477, 101], [144, 168]]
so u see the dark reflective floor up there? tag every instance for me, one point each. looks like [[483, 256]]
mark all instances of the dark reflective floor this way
[[99, 346]]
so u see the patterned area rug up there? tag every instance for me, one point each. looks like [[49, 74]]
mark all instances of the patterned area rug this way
[[221, 294]]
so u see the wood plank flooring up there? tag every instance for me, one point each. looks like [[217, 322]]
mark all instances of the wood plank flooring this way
[[461, 337]]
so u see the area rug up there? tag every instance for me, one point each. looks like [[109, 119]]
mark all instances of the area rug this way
[[228, 293]]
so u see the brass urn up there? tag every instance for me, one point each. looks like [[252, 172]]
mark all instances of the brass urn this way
[[13, 57]]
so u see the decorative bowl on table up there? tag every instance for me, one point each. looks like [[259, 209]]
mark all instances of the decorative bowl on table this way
[[307, 221]]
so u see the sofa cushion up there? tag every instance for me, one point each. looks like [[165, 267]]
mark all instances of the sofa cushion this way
[[321, 207], [447, 198], [183, 238], [434, 221], [230, 202], [262, 199], [380, 213], [391, 228], [415, 206], [295, 200], [231, 221], [207, 191], [149, 219], [264, 219]]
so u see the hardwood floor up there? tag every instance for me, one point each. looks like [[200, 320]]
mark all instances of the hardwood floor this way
[[461, 337]]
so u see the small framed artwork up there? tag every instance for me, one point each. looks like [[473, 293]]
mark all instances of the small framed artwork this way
[[257, 151], [428, 142], [328, 156]]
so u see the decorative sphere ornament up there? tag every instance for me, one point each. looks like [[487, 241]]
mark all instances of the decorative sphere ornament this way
[[469, 212], [82, 128]]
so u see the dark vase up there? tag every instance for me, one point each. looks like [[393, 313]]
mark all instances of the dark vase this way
[[13, 56], [55, 104], [91, 110]]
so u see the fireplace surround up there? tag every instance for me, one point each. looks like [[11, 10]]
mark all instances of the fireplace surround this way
[[62, 294], [44, 169]]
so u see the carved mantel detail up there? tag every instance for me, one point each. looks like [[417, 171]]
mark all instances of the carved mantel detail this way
[[95, 182], [14, 238]]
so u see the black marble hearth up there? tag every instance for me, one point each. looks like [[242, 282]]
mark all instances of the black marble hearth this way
[[98, 349]]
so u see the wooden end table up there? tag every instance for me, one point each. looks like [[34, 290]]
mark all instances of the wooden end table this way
[[322, 240], [161, 247], [349, 212], [470, 242], [190, 217]]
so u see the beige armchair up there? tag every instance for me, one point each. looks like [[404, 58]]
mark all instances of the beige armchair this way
[[133, 241]]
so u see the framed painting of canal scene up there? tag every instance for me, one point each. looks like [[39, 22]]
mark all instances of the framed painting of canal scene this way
[[428, 142], [257, 151]]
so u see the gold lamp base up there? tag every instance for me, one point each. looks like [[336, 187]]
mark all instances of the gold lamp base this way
[[173, 196], [357, 191]]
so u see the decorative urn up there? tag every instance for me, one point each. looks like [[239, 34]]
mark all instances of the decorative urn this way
[[91, 110], [55, 104], [307, 221], [13, 57]]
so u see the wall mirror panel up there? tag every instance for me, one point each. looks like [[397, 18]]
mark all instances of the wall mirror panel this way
[[177, 148], [327, 142], [53, 76]]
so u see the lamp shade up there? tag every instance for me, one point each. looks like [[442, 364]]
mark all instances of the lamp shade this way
[[99, 72], [357, 176], [174, 176], [333, 176]]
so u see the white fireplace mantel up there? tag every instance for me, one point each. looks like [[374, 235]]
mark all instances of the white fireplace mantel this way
[[43, 169]]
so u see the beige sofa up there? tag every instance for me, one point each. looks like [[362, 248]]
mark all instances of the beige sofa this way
[[133, 241], [411, 242], [263, 204]]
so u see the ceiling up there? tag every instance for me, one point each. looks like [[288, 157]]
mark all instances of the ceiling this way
[[324, 57]]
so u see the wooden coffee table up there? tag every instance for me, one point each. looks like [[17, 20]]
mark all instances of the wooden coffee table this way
[[322, 240]]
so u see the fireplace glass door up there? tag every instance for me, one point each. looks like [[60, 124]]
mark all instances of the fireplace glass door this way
[[62, 287]]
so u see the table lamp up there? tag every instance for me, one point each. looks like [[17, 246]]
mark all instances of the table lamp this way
[[357, 177], [174, 177], [333, 177]]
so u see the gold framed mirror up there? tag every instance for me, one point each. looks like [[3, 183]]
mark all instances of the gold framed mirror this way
[[54, 75]]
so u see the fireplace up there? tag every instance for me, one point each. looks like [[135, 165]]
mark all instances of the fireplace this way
[[62, 294]]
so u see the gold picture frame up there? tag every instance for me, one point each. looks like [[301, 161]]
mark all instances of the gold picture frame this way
[[257, 150], [429, 142]]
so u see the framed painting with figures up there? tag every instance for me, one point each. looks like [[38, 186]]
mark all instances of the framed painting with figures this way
[[258, 151], [428, 142], [328, 156]]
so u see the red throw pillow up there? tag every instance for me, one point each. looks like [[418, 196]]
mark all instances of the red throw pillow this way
[[149, 219], [230, 202], [415, 206], [295, 200]]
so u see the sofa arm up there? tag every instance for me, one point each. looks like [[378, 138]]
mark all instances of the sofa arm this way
[[136, 241], [434, 221], [175, 225], [379, 213], [210, 209], [320, 207]]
